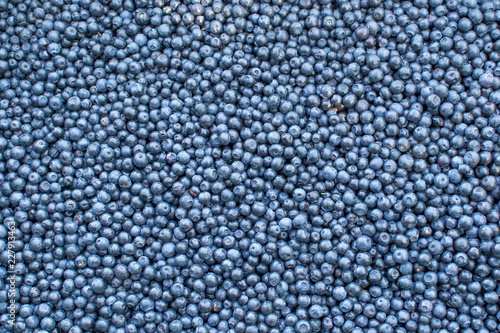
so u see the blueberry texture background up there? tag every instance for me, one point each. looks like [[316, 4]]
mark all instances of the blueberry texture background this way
[[250, 166]]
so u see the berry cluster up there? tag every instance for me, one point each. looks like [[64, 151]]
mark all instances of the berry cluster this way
[[249, 166]]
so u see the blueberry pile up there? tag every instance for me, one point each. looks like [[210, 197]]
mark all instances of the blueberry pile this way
[[249, 166]]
